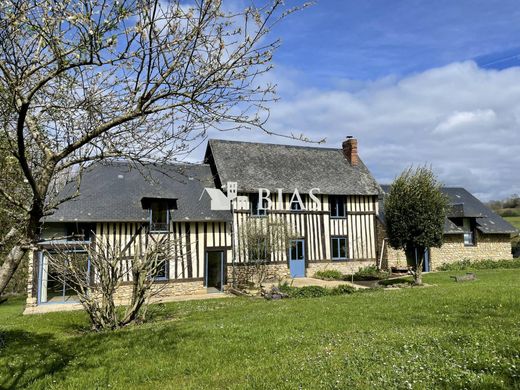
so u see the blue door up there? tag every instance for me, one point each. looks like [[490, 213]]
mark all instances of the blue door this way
[[297, 259]]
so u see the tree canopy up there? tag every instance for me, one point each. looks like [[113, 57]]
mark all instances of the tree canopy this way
[[415, 212]]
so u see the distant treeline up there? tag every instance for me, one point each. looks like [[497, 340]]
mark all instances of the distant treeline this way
[[509, 207]]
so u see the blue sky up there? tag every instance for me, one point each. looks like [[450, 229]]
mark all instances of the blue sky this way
[[417, 82]]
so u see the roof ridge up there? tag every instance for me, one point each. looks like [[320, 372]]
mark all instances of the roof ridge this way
[[217, 140]]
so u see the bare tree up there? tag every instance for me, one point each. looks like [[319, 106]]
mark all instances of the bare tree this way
[[87, 80], [261, 239], [97, 272]]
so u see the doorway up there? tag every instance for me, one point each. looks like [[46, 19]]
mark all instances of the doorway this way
[[214, 271], [297, 258]]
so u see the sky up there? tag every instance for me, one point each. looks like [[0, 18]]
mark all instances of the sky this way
[[416, 82]]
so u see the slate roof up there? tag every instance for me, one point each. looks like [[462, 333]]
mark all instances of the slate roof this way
[[464, 204], [273, 166], [110, 193]]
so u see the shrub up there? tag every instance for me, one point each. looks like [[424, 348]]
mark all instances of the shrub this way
[[370, 273], [329, 274], [480, 264], [314, 291], [342, 289]]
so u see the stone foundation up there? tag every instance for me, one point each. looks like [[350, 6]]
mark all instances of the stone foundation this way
[[246, 274], [166, 289], [345, 267], [488, 247]]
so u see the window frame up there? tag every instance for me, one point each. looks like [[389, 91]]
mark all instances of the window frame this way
[[343, 203], [338, 247], [166, 271], [255, 211], [152, 228]]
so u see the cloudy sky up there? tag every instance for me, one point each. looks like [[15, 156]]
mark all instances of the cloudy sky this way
[[417, 82]]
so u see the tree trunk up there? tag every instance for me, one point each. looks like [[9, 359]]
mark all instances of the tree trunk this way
[[415, 259], [28, 237], [10, 265]]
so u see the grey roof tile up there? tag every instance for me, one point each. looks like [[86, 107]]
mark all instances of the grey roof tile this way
[[273, 166], [113, 193], [464, 204]]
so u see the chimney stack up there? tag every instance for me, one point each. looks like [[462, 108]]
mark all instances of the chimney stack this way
[[350, 150]]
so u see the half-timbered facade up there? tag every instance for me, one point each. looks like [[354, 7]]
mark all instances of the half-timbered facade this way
[[126, 208]]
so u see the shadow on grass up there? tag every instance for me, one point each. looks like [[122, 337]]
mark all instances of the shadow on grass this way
[[27, 358], [30, 356]]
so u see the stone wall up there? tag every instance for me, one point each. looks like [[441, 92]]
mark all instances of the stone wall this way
[[345, 267], [246, 274], [488, 247]]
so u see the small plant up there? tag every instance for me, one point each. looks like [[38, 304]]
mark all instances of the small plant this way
[[343, 289], [313, 291], [370, 273], [329, 274]]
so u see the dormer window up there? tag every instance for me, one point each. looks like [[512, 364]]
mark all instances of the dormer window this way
[[469, 231], [159, 217], [468, 226], [159, 213]]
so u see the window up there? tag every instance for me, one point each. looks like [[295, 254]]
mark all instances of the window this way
[[295, 204], [79, 232], [253, 201], [469, 232], [339, 248], [159, 217], [468, 226], [159, 269], [337, 206]]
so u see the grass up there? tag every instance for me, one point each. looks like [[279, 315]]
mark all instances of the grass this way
[[515, 221], [451, 335]]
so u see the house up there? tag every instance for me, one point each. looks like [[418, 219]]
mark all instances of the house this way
[[327, 196], [472, 231]]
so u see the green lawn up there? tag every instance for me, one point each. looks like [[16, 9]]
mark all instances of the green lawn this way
[[451, 335], [515, 221]]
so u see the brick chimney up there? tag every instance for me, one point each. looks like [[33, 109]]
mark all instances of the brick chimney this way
[[350, 150]]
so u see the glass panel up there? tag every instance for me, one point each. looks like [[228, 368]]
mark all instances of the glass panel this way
[[300, 250], [335, 252], [293, 251], [159, 218], [343, 248], [254, 200], [337, 206], [468, 238]]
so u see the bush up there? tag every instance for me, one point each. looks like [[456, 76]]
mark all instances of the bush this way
[[480, 264], [329, 274], [370, 273], [342, 289], [510, 213], [314, 291]]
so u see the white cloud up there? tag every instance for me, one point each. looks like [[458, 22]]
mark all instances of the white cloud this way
[[461, 119]]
